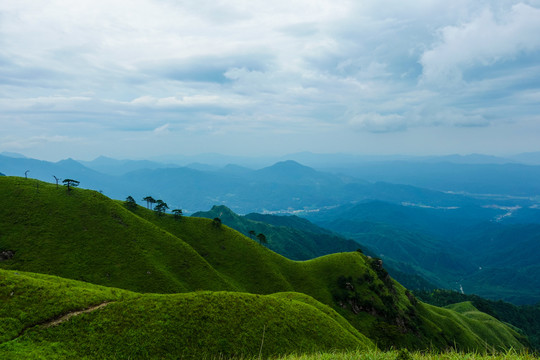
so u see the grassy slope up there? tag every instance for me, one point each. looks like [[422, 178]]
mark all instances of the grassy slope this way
[[86, 236], [299, 239], [256, 269], [295, 238], [524, 317], [161, 326], [470, 328]]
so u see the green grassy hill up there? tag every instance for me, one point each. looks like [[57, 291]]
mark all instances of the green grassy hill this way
[[353, 284], [524, 317], [134, 325], [299, 239], [295, 238], [83, 235]]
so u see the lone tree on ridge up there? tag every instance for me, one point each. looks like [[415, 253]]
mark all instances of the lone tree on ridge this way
[[57, 179], [70, 183], [177, 213], [130, 203]]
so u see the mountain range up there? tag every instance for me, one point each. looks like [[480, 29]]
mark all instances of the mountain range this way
[[83, 274], [285, 186]]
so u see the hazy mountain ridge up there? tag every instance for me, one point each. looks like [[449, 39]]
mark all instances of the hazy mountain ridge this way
[[478, 178], [116, 167], [283, 186]]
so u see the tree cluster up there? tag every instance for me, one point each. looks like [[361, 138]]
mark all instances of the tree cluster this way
[[159, 206], [261, 237]]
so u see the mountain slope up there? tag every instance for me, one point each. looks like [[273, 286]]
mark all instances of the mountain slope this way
[[524, 317], [354, 285], [84, 235], [299, 239], [302, 242]]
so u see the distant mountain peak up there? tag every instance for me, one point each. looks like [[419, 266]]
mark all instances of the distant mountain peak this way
[[105, 158], [220, 211], [289, 163], [221, 208], [289, 166], [13, 155], [69, 161]]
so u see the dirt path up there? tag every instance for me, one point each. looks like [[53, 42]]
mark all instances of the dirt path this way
[[61, 319], [69, 315]]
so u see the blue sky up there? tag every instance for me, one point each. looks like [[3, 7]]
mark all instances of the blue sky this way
[[141, 78]]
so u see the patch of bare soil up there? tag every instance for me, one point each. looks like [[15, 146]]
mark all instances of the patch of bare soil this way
[[69, 315]]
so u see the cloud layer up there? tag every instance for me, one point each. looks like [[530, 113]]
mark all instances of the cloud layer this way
[[145, 77]]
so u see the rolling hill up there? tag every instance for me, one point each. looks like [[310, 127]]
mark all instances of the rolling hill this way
[[298, 239], [290, 236], [134, 325], [84, 235]]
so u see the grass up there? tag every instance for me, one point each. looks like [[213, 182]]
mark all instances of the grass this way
[[302, 242], [166, 326], [255, 269], [405, 355], [83, 235]]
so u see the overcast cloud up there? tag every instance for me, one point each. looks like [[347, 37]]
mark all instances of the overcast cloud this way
[[139, 78]]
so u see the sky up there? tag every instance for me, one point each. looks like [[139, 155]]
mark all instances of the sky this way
[[143, 78]]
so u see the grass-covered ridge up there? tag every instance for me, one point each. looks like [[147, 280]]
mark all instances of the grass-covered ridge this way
[[134, 325], [291, 236], [354, 285], [525, 317], [83, 235]]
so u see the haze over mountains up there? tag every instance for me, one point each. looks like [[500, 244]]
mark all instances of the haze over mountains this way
[[198, 186]]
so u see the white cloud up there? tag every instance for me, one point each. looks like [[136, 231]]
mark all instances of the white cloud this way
[[457, 118], [164, 129], [262, 69], [485, 40], [377, 123]]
